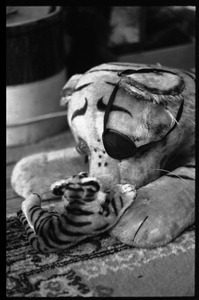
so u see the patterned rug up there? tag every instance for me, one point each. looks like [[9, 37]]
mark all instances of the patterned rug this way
[[102, 267]]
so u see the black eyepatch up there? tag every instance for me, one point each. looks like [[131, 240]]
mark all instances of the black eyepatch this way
[[118, 145]]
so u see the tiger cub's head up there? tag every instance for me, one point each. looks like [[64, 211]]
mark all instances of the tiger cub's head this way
[[144, 110]]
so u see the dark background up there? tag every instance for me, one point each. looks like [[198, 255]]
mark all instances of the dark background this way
[[97, 34]]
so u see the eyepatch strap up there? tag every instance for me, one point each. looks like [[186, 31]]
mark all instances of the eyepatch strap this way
[[112, 97], [143, 70], [179, 114], [108, 108]]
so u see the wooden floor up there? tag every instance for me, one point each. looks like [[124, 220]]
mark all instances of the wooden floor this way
[[14, 154]]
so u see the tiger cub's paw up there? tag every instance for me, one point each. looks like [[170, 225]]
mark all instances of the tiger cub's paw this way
[[28, 205]]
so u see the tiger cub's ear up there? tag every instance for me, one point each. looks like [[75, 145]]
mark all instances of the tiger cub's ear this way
[[68, 89]]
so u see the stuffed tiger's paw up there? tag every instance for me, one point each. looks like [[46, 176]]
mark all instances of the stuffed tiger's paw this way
[[156, 216]]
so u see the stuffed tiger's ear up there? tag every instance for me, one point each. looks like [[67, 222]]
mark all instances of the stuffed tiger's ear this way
[[68, 89]]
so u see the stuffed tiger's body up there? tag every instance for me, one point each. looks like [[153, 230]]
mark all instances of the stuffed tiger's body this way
[[135, 123]]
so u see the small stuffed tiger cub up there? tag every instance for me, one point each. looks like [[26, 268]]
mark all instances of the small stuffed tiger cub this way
[[85, 211]]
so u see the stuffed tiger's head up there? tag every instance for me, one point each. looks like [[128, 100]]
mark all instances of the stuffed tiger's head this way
[[147, 103]]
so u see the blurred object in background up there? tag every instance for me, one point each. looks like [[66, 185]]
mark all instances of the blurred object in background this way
[[169, 38], [11, 10], [128, 27], [98, 34], [35, 73], [181, 57], [169, 26], [137, 28], [21, 14], [87, 31]]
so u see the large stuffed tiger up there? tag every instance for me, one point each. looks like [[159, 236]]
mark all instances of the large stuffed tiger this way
[[135, 125]]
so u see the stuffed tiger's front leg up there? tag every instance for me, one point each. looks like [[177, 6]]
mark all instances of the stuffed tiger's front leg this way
[[86, 211], [161, 210]]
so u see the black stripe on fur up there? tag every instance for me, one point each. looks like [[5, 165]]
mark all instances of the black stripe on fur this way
[[81, 111]]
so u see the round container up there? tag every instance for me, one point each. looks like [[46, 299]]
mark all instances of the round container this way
[[35, 74]]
